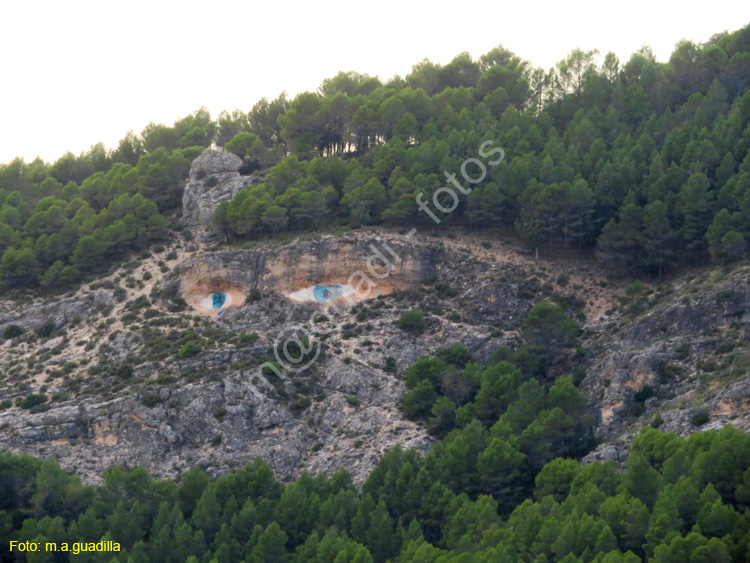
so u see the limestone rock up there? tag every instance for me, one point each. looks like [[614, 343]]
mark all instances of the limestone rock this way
[[214, 177], [61, 312]]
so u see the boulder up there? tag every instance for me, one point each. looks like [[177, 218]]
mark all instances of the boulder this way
[[214, 177]]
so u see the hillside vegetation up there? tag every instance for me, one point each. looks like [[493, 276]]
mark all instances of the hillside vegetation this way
[[645, 161], [481, 361]]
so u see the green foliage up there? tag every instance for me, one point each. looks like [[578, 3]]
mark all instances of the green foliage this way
[[549, 332], [667, 182], [12, 331], [412, 320], [188, 350], [46, 329], [467, 500], [644, 161], [32, 400], [700, 416]]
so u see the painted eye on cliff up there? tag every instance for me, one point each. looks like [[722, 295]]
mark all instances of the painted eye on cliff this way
[[213, 298], [322, 293], [216, 301]]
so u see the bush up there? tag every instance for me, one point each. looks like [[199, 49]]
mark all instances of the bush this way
[[456, 355], [45, 330], [141, 302], [682, 352], [151, 400], [635, 289], [657, 421], [254, 296], [189, 350], [12, 331], [645, 393], [699, 416], [412, 320], [390, 365], [33, 400], [248, 338], [419, 401], [300, 404], [353, 401]]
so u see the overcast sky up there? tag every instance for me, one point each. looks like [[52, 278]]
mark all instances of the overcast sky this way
[[79, 72]]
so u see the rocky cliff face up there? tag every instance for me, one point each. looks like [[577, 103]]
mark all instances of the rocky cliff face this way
[[60, 312], [131, 376], [214, 177], [678, 359], [123, 395], [120, 392], [371, 264]]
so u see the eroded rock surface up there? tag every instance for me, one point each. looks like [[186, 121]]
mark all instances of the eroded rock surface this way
[[60, 312], [679, 364], [214, 177]]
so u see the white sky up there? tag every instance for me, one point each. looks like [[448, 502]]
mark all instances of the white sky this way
[[79, 72]]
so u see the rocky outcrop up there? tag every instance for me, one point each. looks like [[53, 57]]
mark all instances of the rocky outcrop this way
[[211, 410], [224, 424], [673, 361], [289, 268], [214, 177], [60, 312]]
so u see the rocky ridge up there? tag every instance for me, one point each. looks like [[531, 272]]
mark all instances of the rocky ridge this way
[[214, 177]]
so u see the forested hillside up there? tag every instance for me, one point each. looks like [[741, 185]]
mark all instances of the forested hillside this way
[[676, 501], [644, 164], [645, 161]]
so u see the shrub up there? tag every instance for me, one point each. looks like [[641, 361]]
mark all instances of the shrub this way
[[46, 329], [254, 296], [189, 350], [412, 320], [301, 404], [33, 400], [248, 338], [634, 289], [682, 352], [456, 354], [657, 421], [12, 331], [150, 313], [645, 393], [419, 401], [699, 416], [353, 401], [151, 400]]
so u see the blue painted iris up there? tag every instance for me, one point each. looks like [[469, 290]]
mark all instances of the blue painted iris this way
[[218, 300], [324, 293]]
